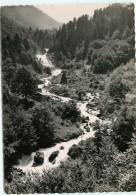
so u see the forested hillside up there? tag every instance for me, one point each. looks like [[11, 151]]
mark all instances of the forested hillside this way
[[105, 40], [29, 16], [97, 57]]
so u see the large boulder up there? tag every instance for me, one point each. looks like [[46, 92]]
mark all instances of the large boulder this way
[[88, 129], [53, 156], [39, 158]]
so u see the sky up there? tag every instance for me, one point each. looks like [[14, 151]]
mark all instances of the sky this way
[[65, 13]]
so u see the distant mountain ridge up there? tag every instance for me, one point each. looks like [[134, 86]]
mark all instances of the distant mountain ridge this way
[[30, 16]]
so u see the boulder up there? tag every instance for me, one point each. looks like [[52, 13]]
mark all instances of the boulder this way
[[88, 129], [62, 148], [53, 156], [39, 158], [87, 118], [86, 126], [99, 115]]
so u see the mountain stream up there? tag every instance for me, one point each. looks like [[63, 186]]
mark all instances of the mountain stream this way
[[26, 162]]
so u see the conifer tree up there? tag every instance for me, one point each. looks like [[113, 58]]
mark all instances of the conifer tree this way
[[63, 78]]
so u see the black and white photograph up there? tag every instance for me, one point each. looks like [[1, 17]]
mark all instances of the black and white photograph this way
[[68, 98]]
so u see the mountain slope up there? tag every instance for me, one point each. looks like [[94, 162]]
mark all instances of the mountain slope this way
[[29, 16]]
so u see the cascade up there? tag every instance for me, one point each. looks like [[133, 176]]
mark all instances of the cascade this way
[[44, 59]]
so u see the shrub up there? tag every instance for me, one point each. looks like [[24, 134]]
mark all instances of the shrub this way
[[70, 111], [74, 151]]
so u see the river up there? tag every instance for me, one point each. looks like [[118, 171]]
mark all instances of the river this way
[[26, 162]]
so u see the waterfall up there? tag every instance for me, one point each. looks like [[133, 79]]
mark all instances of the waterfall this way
[[44, 59]]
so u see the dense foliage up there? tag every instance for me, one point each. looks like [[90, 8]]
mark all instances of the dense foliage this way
[[90, 172], [27, 124], [97, 57], [105, 40], [118, 99]]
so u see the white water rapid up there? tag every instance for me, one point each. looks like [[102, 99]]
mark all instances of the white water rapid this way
[[26, 162], [44, 59]]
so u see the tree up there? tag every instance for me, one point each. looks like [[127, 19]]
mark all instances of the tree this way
[[123, 128], [42, 123], [24, 83], [70, 111], [8, 70], [106, 168], [26, 44], [63, 78], [19, 137], [98, 135], [8, 38], [127, 168], [24, 59], [17, 42], [117, 88]]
